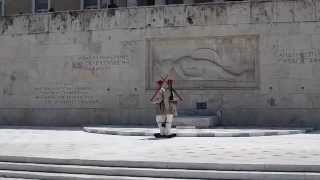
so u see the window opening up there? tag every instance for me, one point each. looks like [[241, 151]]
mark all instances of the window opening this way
[[41, 6], [145, 2], [90, 4], [202, 1], [104, 4], [174, 1]]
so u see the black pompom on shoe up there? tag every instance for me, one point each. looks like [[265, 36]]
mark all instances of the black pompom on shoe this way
[[172, 135]]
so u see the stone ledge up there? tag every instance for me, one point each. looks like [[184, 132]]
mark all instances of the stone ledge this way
[[112, 130]]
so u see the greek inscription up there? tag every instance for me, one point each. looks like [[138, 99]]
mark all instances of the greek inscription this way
[[298, 56], [65, 95], [99, 63]]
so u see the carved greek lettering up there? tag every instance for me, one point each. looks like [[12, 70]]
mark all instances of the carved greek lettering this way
[[65, 95], [99, 63], [298, 56]]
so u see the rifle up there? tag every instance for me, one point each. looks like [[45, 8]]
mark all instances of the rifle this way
[[177, 94]]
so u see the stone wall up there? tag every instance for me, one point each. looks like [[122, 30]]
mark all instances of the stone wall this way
[[257, 62]]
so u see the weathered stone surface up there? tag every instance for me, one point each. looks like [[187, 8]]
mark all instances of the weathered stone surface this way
[[175, 16], [257, 62], [205, 62], [196, 15], [58, 22], [284, 11], [317, 9], [38, 24], [221, 14], [262, 12], [136, 18], [238, 13], [306, 10], [155, 16]]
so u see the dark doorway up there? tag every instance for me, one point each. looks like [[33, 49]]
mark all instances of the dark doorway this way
[[203, 1], [90, 4], [174, 1], [145, 2]]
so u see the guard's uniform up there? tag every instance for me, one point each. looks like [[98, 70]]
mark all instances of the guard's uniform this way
[[167, 100]]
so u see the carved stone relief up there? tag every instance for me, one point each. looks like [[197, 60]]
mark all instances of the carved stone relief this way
[[205, 62]]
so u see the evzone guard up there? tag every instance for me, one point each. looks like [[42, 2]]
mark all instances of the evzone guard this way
[[167, 98]]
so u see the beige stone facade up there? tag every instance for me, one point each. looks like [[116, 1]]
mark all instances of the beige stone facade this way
[[259, 63]]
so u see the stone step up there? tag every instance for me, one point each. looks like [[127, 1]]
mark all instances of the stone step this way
[[51, 171], [67, 176], [263, 167], [3, 178], [111, 171]]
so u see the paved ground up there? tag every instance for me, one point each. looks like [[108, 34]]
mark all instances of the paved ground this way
[[285, 149]]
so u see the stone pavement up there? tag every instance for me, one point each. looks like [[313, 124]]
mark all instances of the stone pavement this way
[[216, 132], [298, 149]]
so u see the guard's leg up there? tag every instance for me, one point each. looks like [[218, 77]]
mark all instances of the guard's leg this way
[[169, 118], [160, 120]]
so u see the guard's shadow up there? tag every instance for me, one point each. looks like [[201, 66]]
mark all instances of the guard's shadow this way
[[314, 132], [153, 139]]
